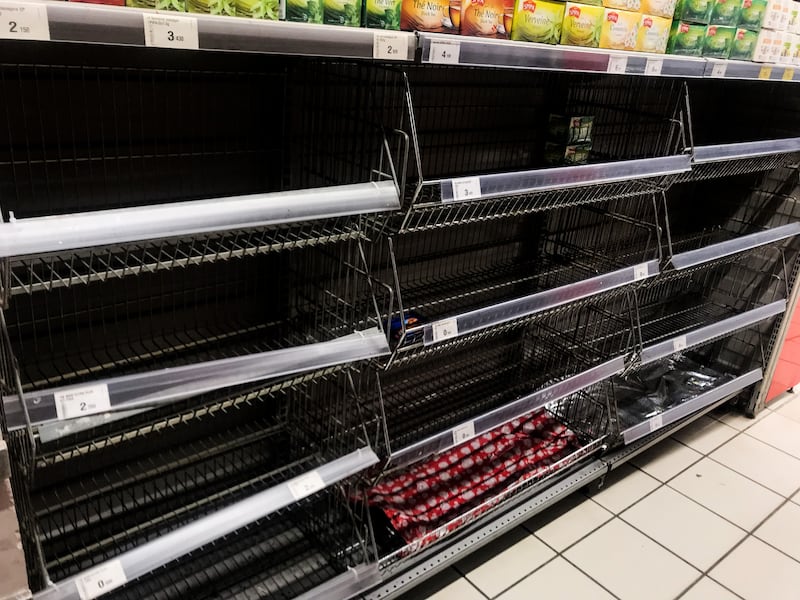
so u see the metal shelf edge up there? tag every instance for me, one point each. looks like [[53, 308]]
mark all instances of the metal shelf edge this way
[[151, 555], [696, 257], [37, 235], [723, 152], [499, 416], [348, 584], [172, 384], [710, 332], [645, 428]]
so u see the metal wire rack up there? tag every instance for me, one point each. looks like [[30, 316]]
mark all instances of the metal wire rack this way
[[501, 127]]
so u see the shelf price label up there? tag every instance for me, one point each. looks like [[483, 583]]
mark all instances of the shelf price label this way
[[20, 21], [82, 401], [640, 272], [719, 69], [679, 343], [765, 72], [170, 32], [390, 46], [100, 580], [653, 66], [305, 485], [445, 329], [617, 64], [656, 422], [445, 53], [463, 432], [467, 188]]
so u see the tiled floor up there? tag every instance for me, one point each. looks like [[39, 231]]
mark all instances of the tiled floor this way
[[711, 514]]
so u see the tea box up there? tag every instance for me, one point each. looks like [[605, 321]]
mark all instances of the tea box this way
[[752, 14], [686, 38], [725, 12], [620, 29], [436, 16], [487, 18], [582, 25], [744, 44], [653, 34], [382, 14], [537, 21], [718, 41]]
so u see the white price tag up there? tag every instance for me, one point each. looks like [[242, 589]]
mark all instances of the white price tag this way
[[390, 46], [653, 66], [20, 21], [640, 272], [445, 53], [100, 580], [82, 401], [467, 188], [617, 64], [656, 422], [445, 329], [464, 432], [170, 32], [718, 70], [679, 343], [305, 485]]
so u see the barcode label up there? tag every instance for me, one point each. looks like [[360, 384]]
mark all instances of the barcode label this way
[[640, 271], [656, 422], [101, 580], [20, 21], [464, 432], [617, 64], [305, 485], [679, 343], [445, 53], [445, 329], [82, 401], [467, 188], [171, 32]]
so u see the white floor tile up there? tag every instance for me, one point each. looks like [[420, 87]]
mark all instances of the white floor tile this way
[[624, 486], [779, 431], [782, 530], [762, 463], [630, 565], [572, 525], [705, 434], [666, 459], [757, 572], [689, 530], [501, 564], [727, 493], [557, 580], [781, 401], [788, 407], [708, 589], [447, 585], [734, 417]]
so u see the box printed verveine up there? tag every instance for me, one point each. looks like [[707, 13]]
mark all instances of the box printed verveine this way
[[582, 25], [537, 21]]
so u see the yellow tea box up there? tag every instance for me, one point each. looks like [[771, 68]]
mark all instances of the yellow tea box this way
[[634, 5], [537, 21], [620, 29], [487, 18], [582, 24], [659, 8], [429, 15], [653, 34]]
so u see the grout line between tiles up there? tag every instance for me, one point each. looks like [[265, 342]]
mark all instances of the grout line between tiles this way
[[464, 577], [589, 576]]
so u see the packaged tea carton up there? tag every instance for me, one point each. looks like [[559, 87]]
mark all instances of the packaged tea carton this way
[[768, 46], [633, 5], [653, 34], [487, 18], [725, 12], [563, 129], [794, 18], [342, 12], [272, 10], [620, 29], [108, 2], [773, 15], [694, 11], [787, 44], [796, 51], [744, 44], [304, 11], [686, 38], [382, 14], [752, 14], [212, 7], [718, 41], [570, 154], [659, 8], [537, 21], [176, 5], [582, 25], [437, 16]]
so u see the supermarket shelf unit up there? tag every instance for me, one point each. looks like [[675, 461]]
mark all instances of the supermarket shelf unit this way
[[411, 280]]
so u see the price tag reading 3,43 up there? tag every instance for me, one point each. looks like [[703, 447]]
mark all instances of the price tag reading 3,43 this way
[[445, 53], [20, 21], [171, 32], [82, 401], [100, 580]]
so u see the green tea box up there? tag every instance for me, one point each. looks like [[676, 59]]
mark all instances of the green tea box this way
[[304, 11], [342, 12], [725, 12], [570, 129], [752, 14], [176, 5], [212, 7], [271, 10], [744, 44], [686, 39], [382, 14], [694, 11], [718, 41]]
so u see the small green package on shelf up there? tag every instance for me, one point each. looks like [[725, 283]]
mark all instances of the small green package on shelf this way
[[304, 11], [342, 12], [686, 39], [752, 15], [718, 41], [212, 7], [570, 130], [694, 11], [744, 44], [271, 10], [382, 14], [725, 12], [175, 5], [571, 154]]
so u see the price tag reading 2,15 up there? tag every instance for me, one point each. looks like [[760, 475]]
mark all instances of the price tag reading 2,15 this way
[[171, 32], [445, 53], [19, 21], [100, 580], [305, 485], [463, 432], [82, 401], [390, 46]]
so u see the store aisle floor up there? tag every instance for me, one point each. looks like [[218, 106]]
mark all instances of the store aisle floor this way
[[710, 514]]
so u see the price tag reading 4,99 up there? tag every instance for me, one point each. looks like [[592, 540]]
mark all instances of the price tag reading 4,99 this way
[[170, 32], [445, 53], [20, 21], [101, 580]]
